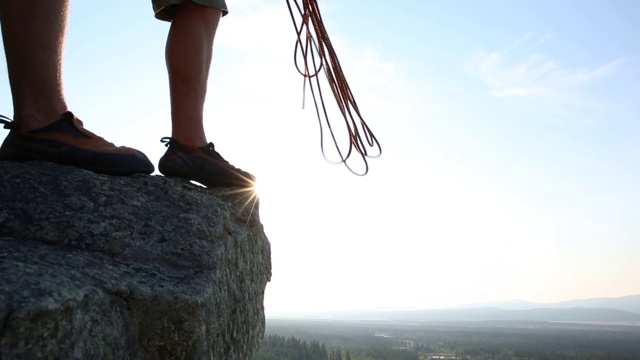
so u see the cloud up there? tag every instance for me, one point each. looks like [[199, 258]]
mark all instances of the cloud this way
[[580, 76], [518, 71]]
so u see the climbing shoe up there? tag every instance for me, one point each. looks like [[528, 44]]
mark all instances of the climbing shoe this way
[[201, 164], [67, 142]]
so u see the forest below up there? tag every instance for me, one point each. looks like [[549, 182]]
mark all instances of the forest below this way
[[363, 340]]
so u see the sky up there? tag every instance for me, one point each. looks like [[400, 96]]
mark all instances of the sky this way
[[510, 136]]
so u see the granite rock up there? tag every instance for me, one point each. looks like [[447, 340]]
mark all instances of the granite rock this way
[[138, 267]]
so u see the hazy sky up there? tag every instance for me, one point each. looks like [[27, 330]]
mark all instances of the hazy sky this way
[[510, 134]]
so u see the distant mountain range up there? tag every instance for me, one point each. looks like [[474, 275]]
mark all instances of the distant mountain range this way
[[629, 303], [622, 310], [576, 314]]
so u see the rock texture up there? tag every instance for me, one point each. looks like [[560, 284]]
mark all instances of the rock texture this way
[[140, 267]]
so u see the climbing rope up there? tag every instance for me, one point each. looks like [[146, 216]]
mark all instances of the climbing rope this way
[[318, 56]]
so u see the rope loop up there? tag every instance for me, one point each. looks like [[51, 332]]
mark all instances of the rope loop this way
[[314, 54]]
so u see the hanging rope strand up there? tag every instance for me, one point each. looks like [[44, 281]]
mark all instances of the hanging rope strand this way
[[314, 47]]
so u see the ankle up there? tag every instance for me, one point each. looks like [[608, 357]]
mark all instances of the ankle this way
[[191, 140], [29, 121]]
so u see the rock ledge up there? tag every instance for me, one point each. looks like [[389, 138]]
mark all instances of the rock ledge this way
[[139, 267]]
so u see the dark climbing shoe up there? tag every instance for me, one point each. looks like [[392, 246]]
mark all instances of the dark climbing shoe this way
[[201, 164], [67, 142]]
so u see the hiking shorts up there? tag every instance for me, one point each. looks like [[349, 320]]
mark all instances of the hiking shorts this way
[[165, 9]]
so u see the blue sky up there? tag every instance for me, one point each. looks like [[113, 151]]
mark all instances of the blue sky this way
[[510, 134]]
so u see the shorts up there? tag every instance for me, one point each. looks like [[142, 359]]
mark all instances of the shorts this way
[[165, 9]]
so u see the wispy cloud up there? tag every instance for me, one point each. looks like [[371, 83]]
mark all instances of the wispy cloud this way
[[521, 71]]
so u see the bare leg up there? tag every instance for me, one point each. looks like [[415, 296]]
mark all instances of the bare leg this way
[[34, 58], [189, 48], [188, 56]]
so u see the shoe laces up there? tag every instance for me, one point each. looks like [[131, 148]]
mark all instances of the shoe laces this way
[[169, 141], [68, 115], [7, 123]]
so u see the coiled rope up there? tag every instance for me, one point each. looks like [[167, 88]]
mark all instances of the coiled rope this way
[[318, 56]]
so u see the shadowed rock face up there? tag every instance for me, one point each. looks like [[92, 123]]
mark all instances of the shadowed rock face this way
[[138, 267]]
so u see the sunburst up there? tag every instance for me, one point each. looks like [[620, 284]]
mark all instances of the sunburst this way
[[246, 197]]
